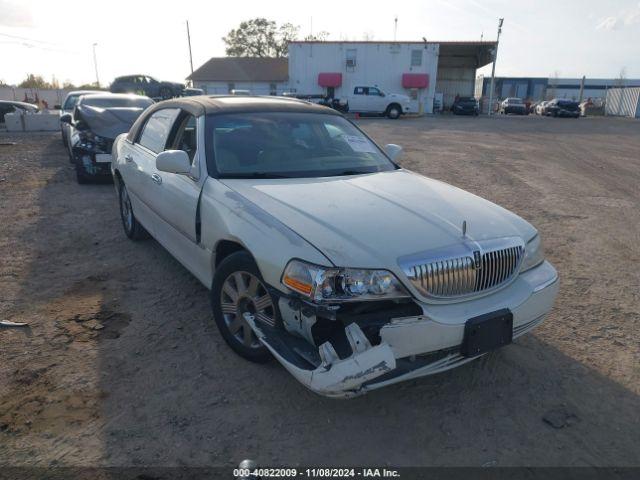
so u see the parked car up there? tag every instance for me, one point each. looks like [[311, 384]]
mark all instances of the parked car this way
[[465, 106], [341, 105], [67, 106], [192, 92], [9, 106], [146, 85], [513, 105], [372, 100], [276, 206], [540, 108], [96, 121], [562, 108]]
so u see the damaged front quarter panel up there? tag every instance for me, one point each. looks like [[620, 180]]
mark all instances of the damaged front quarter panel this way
[[333, 376]]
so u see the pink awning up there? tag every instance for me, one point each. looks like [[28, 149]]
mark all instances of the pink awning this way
[[329, 79], [415, 80]]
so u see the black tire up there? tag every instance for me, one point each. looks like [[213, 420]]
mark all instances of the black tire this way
[[166, 93], [132, 228], [238, 263], [394, 111]]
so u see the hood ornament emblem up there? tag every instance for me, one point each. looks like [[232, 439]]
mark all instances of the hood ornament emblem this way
[[464, 228]]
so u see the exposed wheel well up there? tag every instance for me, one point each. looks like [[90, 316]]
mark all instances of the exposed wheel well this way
[[391, 105], [226, 248]]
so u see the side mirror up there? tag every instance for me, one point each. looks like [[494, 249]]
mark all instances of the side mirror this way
[[173, 161], [57, 107], [66, 118], [393, 150]]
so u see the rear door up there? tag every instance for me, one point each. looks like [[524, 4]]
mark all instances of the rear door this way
[[141, 178]]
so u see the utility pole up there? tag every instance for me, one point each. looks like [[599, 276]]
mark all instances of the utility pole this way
[[581, 88], [189, 42], [493, 68], [395, 28], [95, 65]]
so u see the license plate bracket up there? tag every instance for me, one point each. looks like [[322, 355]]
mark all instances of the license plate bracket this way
[[487, 332]]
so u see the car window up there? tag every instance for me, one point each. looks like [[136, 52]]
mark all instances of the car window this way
[[70, 102], [374, 91], [358, 91], [156, 130], [291, 145], [186, 137]]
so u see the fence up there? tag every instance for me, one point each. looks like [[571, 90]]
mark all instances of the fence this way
[[51, 96], [623, 102]]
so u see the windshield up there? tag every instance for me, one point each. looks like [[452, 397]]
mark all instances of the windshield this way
[[106, 102], [276, 145], [70, 102]]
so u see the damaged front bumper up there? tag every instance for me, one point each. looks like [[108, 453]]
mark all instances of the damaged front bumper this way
[[94, 163], [401, 348]]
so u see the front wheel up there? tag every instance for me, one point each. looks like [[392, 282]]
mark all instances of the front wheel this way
[[238, 289], [393, 112]]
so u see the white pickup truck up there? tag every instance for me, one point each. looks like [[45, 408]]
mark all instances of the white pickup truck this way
[[366, 99]]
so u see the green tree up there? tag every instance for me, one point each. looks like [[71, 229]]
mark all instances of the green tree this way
[[260, 37], [317, 37], [34, 81]]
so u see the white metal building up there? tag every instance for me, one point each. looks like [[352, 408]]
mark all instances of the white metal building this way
[[261, 76], [421, 70]]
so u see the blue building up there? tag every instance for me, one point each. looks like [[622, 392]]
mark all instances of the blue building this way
[[544, 88]]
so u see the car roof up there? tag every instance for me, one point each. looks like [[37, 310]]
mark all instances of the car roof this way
[[84, 92], [107, 95], [222, 104], [19, 104], [219, 104]]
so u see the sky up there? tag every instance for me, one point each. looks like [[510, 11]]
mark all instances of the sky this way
[[567, 38]]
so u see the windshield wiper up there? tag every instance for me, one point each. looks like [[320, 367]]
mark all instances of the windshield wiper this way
[[255, 175]]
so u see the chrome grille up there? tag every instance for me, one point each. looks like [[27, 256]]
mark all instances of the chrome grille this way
[[460, 275]]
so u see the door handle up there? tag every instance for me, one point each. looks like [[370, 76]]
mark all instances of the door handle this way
[[156, 178], [128, 158]]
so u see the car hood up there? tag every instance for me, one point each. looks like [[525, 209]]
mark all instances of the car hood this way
[[370, 220], [108, 122]]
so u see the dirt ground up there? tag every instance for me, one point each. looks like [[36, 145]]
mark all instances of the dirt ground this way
[[123, 366]]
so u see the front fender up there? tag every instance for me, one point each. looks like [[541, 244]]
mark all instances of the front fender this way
[[227, 215]]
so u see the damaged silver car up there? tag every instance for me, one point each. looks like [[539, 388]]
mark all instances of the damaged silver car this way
[[319, 250], [97, 119]]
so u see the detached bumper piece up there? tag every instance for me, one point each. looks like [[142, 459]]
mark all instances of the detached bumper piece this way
[[322, 370]]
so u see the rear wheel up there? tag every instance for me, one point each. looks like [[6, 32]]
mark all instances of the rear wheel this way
[[165, 93], [238, 289], [394, 111], [132, 228]]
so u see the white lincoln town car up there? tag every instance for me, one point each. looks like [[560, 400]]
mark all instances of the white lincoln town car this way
[[319, 250]]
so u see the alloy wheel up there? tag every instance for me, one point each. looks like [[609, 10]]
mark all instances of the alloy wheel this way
[[243, 292]]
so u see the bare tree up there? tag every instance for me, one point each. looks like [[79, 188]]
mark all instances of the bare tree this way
[[621, 81], [552, 87], [368, 36]]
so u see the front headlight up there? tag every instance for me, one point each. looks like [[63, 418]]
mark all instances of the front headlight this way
[[533, 254], [326, 284]]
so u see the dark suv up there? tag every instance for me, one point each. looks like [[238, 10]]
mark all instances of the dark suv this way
[[465, 106], [146, 85], [562, 108]]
